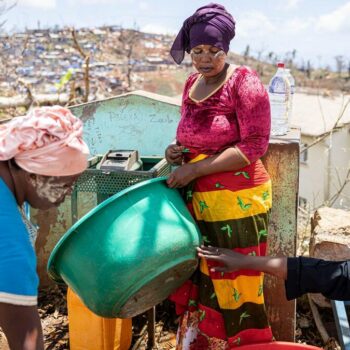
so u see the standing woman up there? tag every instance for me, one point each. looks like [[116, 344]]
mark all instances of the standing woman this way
[[41, 156], [223, 132]]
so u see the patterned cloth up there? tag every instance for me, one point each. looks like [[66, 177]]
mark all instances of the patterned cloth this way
[[47, 141], [225, 310]]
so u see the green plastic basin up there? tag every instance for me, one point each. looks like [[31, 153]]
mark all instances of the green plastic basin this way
[[130, 252]]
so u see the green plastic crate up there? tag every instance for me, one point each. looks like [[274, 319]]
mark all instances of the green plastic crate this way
[[106, 183]]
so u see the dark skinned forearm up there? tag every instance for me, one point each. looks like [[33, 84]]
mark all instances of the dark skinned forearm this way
[[228, 160]]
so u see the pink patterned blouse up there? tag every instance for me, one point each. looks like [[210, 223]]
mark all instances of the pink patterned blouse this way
[[238, 114]]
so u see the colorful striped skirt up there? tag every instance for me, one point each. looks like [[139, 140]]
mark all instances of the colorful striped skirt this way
[[226, 310]]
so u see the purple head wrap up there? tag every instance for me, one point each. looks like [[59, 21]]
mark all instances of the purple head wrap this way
[[209, 25]]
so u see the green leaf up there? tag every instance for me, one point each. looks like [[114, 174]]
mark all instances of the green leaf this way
[[243, 316], [236, 294], [192, 302], [222, 274], [202, 206], [262, 233], [252, 253], [218, 185], [213, 296], [189, 194], [65, 79], [201, 315], [261, 290], [186, 150], [242, 204], [237, 341], [205, 239], [265, 195], [244, 173], [228, 229]]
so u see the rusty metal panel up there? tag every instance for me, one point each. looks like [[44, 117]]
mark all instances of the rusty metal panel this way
[[282, 163], [142, 121], [53, 224]]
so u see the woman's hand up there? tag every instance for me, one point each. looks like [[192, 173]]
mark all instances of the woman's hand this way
[[230, 260], [173, 154], [182, 176]]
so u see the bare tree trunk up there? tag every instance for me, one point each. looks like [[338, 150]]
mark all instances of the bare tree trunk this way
[[86, 58], [128, 40]]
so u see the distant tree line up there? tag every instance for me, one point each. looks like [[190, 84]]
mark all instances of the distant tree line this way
[[342, 64]]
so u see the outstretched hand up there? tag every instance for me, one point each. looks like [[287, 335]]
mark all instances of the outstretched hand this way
[[230, 260]]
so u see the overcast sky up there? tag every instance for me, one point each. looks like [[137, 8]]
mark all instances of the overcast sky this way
[[317, 29]]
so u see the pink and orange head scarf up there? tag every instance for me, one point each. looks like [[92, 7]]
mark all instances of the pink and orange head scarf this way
[[47, 141]]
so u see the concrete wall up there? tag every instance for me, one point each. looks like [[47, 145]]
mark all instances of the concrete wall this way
[[325, 171], [103, 124], [339, 167], [313, 173]]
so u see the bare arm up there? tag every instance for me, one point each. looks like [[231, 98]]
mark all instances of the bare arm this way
[[232, 261], [301, 274], [229, 160]]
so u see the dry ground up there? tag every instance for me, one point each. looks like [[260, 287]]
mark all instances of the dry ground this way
[[53, 312]]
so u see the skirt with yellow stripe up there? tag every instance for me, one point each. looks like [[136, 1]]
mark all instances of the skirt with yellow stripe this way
[[226, 310]]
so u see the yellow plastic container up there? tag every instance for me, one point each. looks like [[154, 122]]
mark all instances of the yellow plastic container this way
[[88, 331]]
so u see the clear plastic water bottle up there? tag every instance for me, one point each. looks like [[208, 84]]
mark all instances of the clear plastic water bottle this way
[[279, 94], [292, 91]]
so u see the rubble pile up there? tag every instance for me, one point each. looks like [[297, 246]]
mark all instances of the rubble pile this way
[[48, 62]]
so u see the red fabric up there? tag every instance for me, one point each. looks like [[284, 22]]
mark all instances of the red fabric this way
[[182, 297], [190, 208], [251, 336], [201, 343], [212, 324], [238, 114], [248, 177], [263, 248], [259, 250]]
